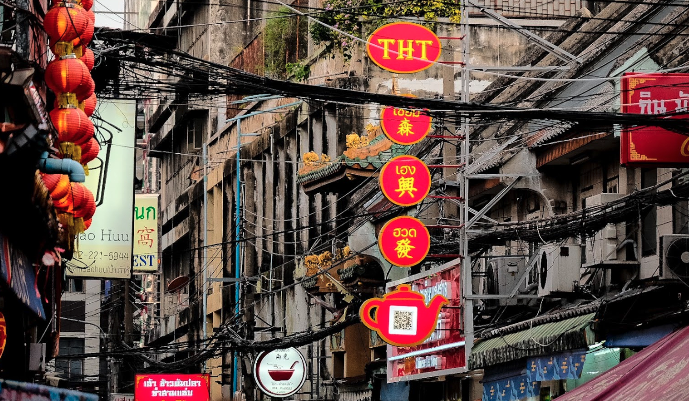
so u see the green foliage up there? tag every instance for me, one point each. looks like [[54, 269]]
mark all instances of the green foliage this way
[[360, 18], [284, 41], [298, 71]]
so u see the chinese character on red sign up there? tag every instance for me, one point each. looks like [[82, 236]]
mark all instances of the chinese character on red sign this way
[[403, 126], [654, 93], [402, 317], [403, 47], [405, 180], [404, 241]]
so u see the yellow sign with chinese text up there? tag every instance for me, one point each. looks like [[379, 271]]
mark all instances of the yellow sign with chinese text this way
[[146, 234]]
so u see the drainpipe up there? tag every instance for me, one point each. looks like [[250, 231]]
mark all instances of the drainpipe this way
[[62, 166]]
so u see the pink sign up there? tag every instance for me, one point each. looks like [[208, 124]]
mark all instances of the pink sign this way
[[443, 351], [173, 386]]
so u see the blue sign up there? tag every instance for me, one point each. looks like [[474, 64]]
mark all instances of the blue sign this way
[[18, 273], [568, 365], [512, 389]]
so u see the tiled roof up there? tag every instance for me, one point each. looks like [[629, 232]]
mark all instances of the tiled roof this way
[[371, 157]]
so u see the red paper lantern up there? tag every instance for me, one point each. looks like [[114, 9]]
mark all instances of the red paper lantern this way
[[64, 204], [87, 223], [90, 14], [89, 151], [88, 58], [85, 37], [85, 90], [84, 204], [64, 24], [87, 4], [90, 105], [57, 184], [72, 125], [66, 75]]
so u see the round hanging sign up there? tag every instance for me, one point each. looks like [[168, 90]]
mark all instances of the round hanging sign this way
[[404, 126], [281, 372], [404, 241], [403, 47], [405, 180]]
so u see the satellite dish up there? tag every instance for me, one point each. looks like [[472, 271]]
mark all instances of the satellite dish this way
[[177, 283]]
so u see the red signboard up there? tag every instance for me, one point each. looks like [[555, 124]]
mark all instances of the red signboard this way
[[402, 317], [442, 352], [654, 93], [173, 386], [404, 241], [404, 126], [403, 47], [405, 180]]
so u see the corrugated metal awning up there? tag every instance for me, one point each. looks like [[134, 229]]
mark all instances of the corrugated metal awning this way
[[544, 339]]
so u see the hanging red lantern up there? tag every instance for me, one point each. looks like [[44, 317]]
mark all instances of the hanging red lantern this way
[[66, 75], [86, 35], [57, 184], [64, 204], [72, 125], [87, 4], [89, 151], [64, 24], [87, 57], [84, 204], [85, 90], [89, 105]]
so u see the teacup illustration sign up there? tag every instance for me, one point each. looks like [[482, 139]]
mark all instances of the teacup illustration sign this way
[[280, 372], [402, 317]]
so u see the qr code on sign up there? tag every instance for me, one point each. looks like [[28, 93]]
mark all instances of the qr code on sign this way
[[402, 320]]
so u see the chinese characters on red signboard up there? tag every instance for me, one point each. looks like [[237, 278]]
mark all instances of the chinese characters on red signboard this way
[[405, 180], [404, 241], [405, 127], [654, 93], [443, 350]]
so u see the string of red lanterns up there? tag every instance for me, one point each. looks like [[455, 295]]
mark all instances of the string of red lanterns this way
[[69, 25]]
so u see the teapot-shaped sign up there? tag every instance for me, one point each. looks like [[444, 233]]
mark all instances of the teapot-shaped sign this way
[[402, 317]]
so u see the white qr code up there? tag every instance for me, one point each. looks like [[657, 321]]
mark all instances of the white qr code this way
[[403, 320]]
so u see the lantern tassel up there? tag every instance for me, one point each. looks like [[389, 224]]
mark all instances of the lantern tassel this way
[[70, 150], [67, 100]]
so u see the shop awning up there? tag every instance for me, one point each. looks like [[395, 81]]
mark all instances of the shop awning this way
[[543, 339], [659, 372]]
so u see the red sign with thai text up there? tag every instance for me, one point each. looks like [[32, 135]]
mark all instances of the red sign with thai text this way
[[405, 180], [404, 241], [443, 351], [168, 387], [404, 126], [403, 47], [654, 93]]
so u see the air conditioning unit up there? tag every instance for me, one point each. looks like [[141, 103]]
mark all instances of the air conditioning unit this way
[[558, 269], [502, 274], [674, 259]]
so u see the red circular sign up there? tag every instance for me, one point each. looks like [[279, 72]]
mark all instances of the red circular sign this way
[[405, 126], [404, 241], [405, 180], [403, 47]]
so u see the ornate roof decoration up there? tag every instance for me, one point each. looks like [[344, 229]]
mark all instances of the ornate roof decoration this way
[[365, 154]]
